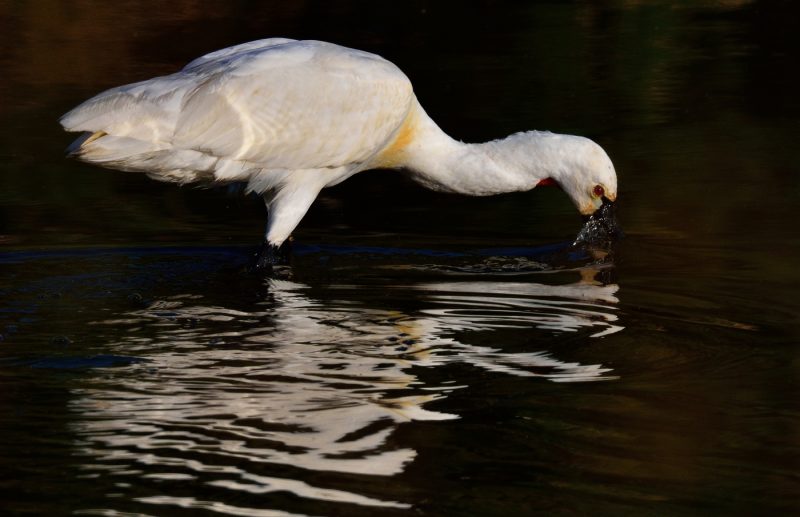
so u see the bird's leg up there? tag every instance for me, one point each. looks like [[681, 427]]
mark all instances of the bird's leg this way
[[285, 207], [271, 255]]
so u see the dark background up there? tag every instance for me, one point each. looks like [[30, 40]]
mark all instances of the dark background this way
[[713, 83], [114, 287]]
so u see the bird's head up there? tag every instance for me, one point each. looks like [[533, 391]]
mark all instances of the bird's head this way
[[583, 170], [588, 176]]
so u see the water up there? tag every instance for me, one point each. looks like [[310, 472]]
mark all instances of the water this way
[[429, 354]]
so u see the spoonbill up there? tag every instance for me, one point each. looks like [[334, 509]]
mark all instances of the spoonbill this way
[[289, 118]]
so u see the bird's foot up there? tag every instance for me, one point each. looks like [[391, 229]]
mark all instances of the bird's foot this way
[[273, 260]]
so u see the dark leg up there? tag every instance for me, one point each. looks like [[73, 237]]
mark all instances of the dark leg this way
[[271, 259], [271, 256]]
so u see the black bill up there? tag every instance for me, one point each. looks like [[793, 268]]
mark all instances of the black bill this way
[[601, 229]]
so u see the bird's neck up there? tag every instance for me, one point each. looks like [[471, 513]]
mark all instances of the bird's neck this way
[[441, 163]]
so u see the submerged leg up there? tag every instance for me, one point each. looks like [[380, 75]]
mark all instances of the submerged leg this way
[[271, 255], [285, 208]]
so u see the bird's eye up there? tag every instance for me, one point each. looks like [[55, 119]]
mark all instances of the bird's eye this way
[[598, 191]]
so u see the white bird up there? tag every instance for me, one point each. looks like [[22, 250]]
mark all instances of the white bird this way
[[289, 118]]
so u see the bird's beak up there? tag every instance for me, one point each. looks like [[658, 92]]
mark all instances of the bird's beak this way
[[606, 206], [601, 228]]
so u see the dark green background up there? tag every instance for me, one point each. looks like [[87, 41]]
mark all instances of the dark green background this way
[[695, 102]]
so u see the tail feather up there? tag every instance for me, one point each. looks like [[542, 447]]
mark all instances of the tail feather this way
[[131, 154], [74, 149], [165, 163]]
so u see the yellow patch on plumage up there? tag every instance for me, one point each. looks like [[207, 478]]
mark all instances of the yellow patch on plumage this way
[[393, 154], [94, 136], [587, 208], [78, 147]]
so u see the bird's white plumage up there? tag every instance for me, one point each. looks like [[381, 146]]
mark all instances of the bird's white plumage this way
[[219, 56], [292, 117], [274, 104]]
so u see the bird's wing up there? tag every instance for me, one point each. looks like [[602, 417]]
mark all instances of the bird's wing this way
[[295, 106], [276, 103], [147, 110], [221, 55]]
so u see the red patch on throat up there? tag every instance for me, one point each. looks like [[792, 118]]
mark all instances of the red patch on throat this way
[[547, 182]]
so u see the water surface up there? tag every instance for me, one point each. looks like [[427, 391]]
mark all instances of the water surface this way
[[429, 354]]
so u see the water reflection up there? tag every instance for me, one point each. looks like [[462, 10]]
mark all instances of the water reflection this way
[[313, 379]]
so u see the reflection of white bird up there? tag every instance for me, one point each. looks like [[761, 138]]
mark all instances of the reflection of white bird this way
[[316, 380], [292, 117]]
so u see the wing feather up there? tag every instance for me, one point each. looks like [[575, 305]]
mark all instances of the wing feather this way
[[275, 104], [229, 52], [296, 106]]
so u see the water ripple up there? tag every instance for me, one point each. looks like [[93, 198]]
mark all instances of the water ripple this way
[[252, 398]]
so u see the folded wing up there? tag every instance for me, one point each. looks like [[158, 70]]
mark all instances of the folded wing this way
[[273, 104]]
